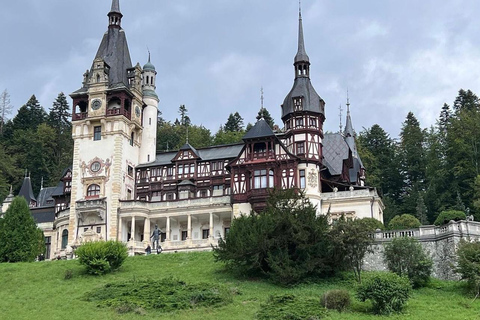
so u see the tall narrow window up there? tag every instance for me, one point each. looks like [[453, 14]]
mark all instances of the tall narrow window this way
[[132, 138], [97, 133], [300, 148], [64, 238], [302, 179]]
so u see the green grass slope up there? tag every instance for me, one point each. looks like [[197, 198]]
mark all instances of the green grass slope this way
[[40, 291]]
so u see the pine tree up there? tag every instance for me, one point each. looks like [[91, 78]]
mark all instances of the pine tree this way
[[263, 113], [421, 210], [234, 123], [30, 115], [466, 100], [184, 119], [59, 116], [19, 235]]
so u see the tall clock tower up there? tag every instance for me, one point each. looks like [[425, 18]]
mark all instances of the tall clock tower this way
[[111, 134]]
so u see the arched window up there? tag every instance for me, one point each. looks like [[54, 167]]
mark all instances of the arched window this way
[[93, 190], [64, 238]]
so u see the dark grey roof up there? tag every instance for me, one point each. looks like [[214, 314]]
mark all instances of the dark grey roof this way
[[335, 150], [43, 215], [187, 146], [261, 129], [45, 195], [114, 51], [58, 190], [26, 190], [206, 154], [353, 172], [302, 87], [301, 53]]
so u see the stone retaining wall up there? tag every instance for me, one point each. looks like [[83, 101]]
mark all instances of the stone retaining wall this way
[[439, 242]]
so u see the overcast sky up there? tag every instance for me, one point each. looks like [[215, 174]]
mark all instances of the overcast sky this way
[[215, 55]]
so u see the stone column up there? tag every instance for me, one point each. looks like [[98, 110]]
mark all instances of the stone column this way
[[132, 231], [146, 231], [168, 229], [189, 227], [210, 231], [120, 230]]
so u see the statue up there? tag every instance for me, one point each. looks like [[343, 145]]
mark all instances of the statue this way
[[156, 238]]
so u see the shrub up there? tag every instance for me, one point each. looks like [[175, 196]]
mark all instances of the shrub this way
[[351, 241], [404, 221], [468, 259], [336, 299], [373, 224], [406, 257], [68, 274], [286, 242], [290, 307], [388, 292], [447, 215], [164, 295], [102, 257]]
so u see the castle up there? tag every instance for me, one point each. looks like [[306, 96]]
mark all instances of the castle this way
[[120, 188]]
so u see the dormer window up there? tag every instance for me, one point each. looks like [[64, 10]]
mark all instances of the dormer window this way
[[297, 104], [259, 150]]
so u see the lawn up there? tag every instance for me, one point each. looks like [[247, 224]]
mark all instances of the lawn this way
[[40, 291]]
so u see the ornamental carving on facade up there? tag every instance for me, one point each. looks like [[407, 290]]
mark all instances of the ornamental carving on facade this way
[[313, 178]]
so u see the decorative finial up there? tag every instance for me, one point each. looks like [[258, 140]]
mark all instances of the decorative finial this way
[[11, 190], [41, 183], [26, 173], [261, 98], [340, 115], [187, 134], [300, 8], [148, 54], [348, 103]]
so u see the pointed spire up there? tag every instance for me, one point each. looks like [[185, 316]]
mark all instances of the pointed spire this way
[[115, 6], [301, 53], [115, 16], [348, 126]]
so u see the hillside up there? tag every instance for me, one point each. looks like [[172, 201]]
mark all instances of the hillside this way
[[40, 291]]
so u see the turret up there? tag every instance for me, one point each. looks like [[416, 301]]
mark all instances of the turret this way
[[150, 113]]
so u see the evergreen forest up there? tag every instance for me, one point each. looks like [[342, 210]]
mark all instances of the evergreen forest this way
[[422, 172]]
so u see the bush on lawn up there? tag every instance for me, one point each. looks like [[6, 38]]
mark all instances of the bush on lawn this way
[[336, 300], [101, 257], [388, 292]]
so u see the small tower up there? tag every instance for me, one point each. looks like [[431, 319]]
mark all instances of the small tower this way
[[150, 113], [6, 203]]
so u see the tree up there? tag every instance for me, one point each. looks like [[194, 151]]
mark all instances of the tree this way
[[5, 108], [352, 241], [413, 163], [265, 115], [286, 242], [59, 116], [466, 100], [404, 221], [234, 123], [421, 210], [19, 235], [379, 152], [30, 115], [184, 118], [227, 137], [468, 260], [406, 257]]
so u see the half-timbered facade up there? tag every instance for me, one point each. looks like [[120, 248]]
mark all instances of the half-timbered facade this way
[[119, 187]]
